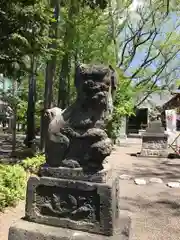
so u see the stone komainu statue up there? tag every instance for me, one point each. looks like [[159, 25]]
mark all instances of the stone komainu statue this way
[[76, 136]]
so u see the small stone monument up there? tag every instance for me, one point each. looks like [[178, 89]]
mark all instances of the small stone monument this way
[[122, 136], [76, 194], [154, 141]]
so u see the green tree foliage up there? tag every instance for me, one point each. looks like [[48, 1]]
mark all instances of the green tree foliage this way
[[140, 42], [123, 104], [120, 35], [24, 26], [84, 38]]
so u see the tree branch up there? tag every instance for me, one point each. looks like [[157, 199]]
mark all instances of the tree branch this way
[[137, 35], [157, 73], [150, 91]]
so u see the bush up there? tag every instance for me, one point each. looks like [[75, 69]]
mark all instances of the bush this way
[[12, 185], [13, 180], [32, 164]]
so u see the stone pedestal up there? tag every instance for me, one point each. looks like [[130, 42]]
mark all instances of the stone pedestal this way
[[154, 141], [65, 198], [24, 230], [78, 205], [154, 145], [141, 132], [102, 176]]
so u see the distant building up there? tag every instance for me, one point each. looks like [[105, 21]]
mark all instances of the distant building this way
[[149, 108], [172, 103]]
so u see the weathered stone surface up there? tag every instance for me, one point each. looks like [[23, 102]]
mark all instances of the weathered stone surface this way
[[24, 230], [78, 174], [153, 153], [141, 131], [173, 184], [154, 141], [155, 128], [125, 177], [140, 181], [76, 136], [86, 206], [155, 180]]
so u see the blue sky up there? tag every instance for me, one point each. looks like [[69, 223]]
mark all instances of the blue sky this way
[[169, 25]]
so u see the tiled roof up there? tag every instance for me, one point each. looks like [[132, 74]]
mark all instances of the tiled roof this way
[[155, 99]]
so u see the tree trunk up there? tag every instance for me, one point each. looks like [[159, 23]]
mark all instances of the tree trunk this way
[[30, 135], [64, 78], [114, 20], [14, 131], [14, 120], [63, 93], [50, 72]]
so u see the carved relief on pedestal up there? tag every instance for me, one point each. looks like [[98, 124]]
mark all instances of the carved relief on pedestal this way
[[69, 203]]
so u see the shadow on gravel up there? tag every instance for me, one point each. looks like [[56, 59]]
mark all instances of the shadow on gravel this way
[[134, 154], [166, 169], [163, 170], [169, 204], [154, 207]]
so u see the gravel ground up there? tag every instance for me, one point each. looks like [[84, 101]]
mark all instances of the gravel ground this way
[[155, 207]]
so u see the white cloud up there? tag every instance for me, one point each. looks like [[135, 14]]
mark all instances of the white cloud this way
[[132, 11], [136, 4]]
